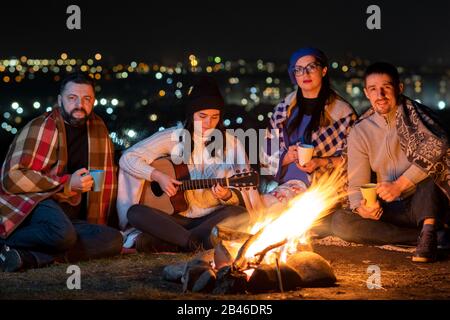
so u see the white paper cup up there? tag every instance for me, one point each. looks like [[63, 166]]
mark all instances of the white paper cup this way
[[99, 179], [305, 153], [369, 193]]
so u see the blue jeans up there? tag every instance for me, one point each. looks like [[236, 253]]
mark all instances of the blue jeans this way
[[48, 234], [400, 222]]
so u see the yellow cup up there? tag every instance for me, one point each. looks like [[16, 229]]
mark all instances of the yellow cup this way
[[305, 153], [369, 192]]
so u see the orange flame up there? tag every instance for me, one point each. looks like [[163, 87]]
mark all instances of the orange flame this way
[[294, 222]]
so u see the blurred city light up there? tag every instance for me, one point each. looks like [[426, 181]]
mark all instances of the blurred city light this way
[[249, 87], [131, 133]]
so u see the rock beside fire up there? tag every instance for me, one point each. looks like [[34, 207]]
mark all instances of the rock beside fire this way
[[194, 269], [314, 270], [206, 282], [265, 279], [174, 272]]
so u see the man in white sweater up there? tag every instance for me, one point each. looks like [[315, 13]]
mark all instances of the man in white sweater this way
[[408, 198]]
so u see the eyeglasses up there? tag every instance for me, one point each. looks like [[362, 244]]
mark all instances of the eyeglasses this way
[[309, 68]]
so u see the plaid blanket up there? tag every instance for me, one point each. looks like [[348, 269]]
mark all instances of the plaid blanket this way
[[35, 169], [423, 140], [328, 140]]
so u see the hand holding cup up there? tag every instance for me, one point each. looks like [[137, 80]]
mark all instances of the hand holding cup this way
[[305, 153]]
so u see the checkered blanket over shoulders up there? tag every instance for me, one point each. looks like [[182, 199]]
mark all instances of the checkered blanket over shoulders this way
[[34, 169]]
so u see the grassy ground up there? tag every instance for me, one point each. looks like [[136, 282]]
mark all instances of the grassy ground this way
[[138, 276]]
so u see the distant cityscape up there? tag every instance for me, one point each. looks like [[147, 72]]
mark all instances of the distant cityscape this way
[[137, 98]]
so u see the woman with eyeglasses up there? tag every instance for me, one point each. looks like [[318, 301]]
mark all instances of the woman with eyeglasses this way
[[313, 116]]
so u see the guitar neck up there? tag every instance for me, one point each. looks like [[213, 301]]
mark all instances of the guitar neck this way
[[202, 184]]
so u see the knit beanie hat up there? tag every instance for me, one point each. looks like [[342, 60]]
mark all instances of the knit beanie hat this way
[[204, 94], [308, 51]]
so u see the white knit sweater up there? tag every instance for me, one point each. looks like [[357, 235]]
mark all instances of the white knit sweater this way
[[135, 168], [373, 144]]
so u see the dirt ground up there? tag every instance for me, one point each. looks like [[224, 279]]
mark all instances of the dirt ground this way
[[139, 276]]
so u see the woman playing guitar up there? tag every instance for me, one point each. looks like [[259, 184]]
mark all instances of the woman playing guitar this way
[[189, 229]]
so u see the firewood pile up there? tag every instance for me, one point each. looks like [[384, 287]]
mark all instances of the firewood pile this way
[[226, 270]]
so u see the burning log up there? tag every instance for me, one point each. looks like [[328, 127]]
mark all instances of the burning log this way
[[280, 280], [221, 233], [230, 281], [240, 261], [255, 253], [262, 254]]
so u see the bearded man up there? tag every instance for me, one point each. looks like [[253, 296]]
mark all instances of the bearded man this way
[[47, 209]]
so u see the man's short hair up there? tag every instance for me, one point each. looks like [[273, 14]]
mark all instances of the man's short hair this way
[[77, 77], [384, 68]]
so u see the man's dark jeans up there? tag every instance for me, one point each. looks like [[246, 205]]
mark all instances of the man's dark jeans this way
[[400, 222], [48, 234]]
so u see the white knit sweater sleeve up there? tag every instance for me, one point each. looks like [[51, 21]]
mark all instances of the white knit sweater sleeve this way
[[137, 160]]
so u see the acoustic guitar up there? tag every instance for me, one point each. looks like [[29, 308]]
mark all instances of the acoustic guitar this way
[[153, 196]]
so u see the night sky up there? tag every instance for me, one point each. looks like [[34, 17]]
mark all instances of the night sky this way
[[413, 33]]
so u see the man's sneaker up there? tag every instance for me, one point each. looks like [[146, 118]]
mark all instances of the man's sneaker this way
[[10, 259], [426, 250]]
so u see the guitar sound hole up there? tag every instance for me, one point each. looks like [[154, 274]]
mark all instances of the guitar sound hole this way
[[156, 189]]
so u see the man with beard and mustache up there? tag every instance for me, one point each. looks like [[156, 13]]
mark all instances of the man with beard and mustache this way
[[401, 142], [47, 211]]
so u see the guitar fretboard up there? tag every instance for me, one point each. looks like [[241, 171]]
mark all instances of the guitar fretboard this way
[[201, 184]]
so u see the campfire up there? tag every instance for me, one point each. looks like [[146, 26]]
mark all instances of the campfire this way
[[272, 254]]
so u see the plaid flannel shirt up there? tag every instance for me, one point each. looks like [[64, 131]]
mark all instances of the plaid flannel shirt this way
[[327, 141]]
